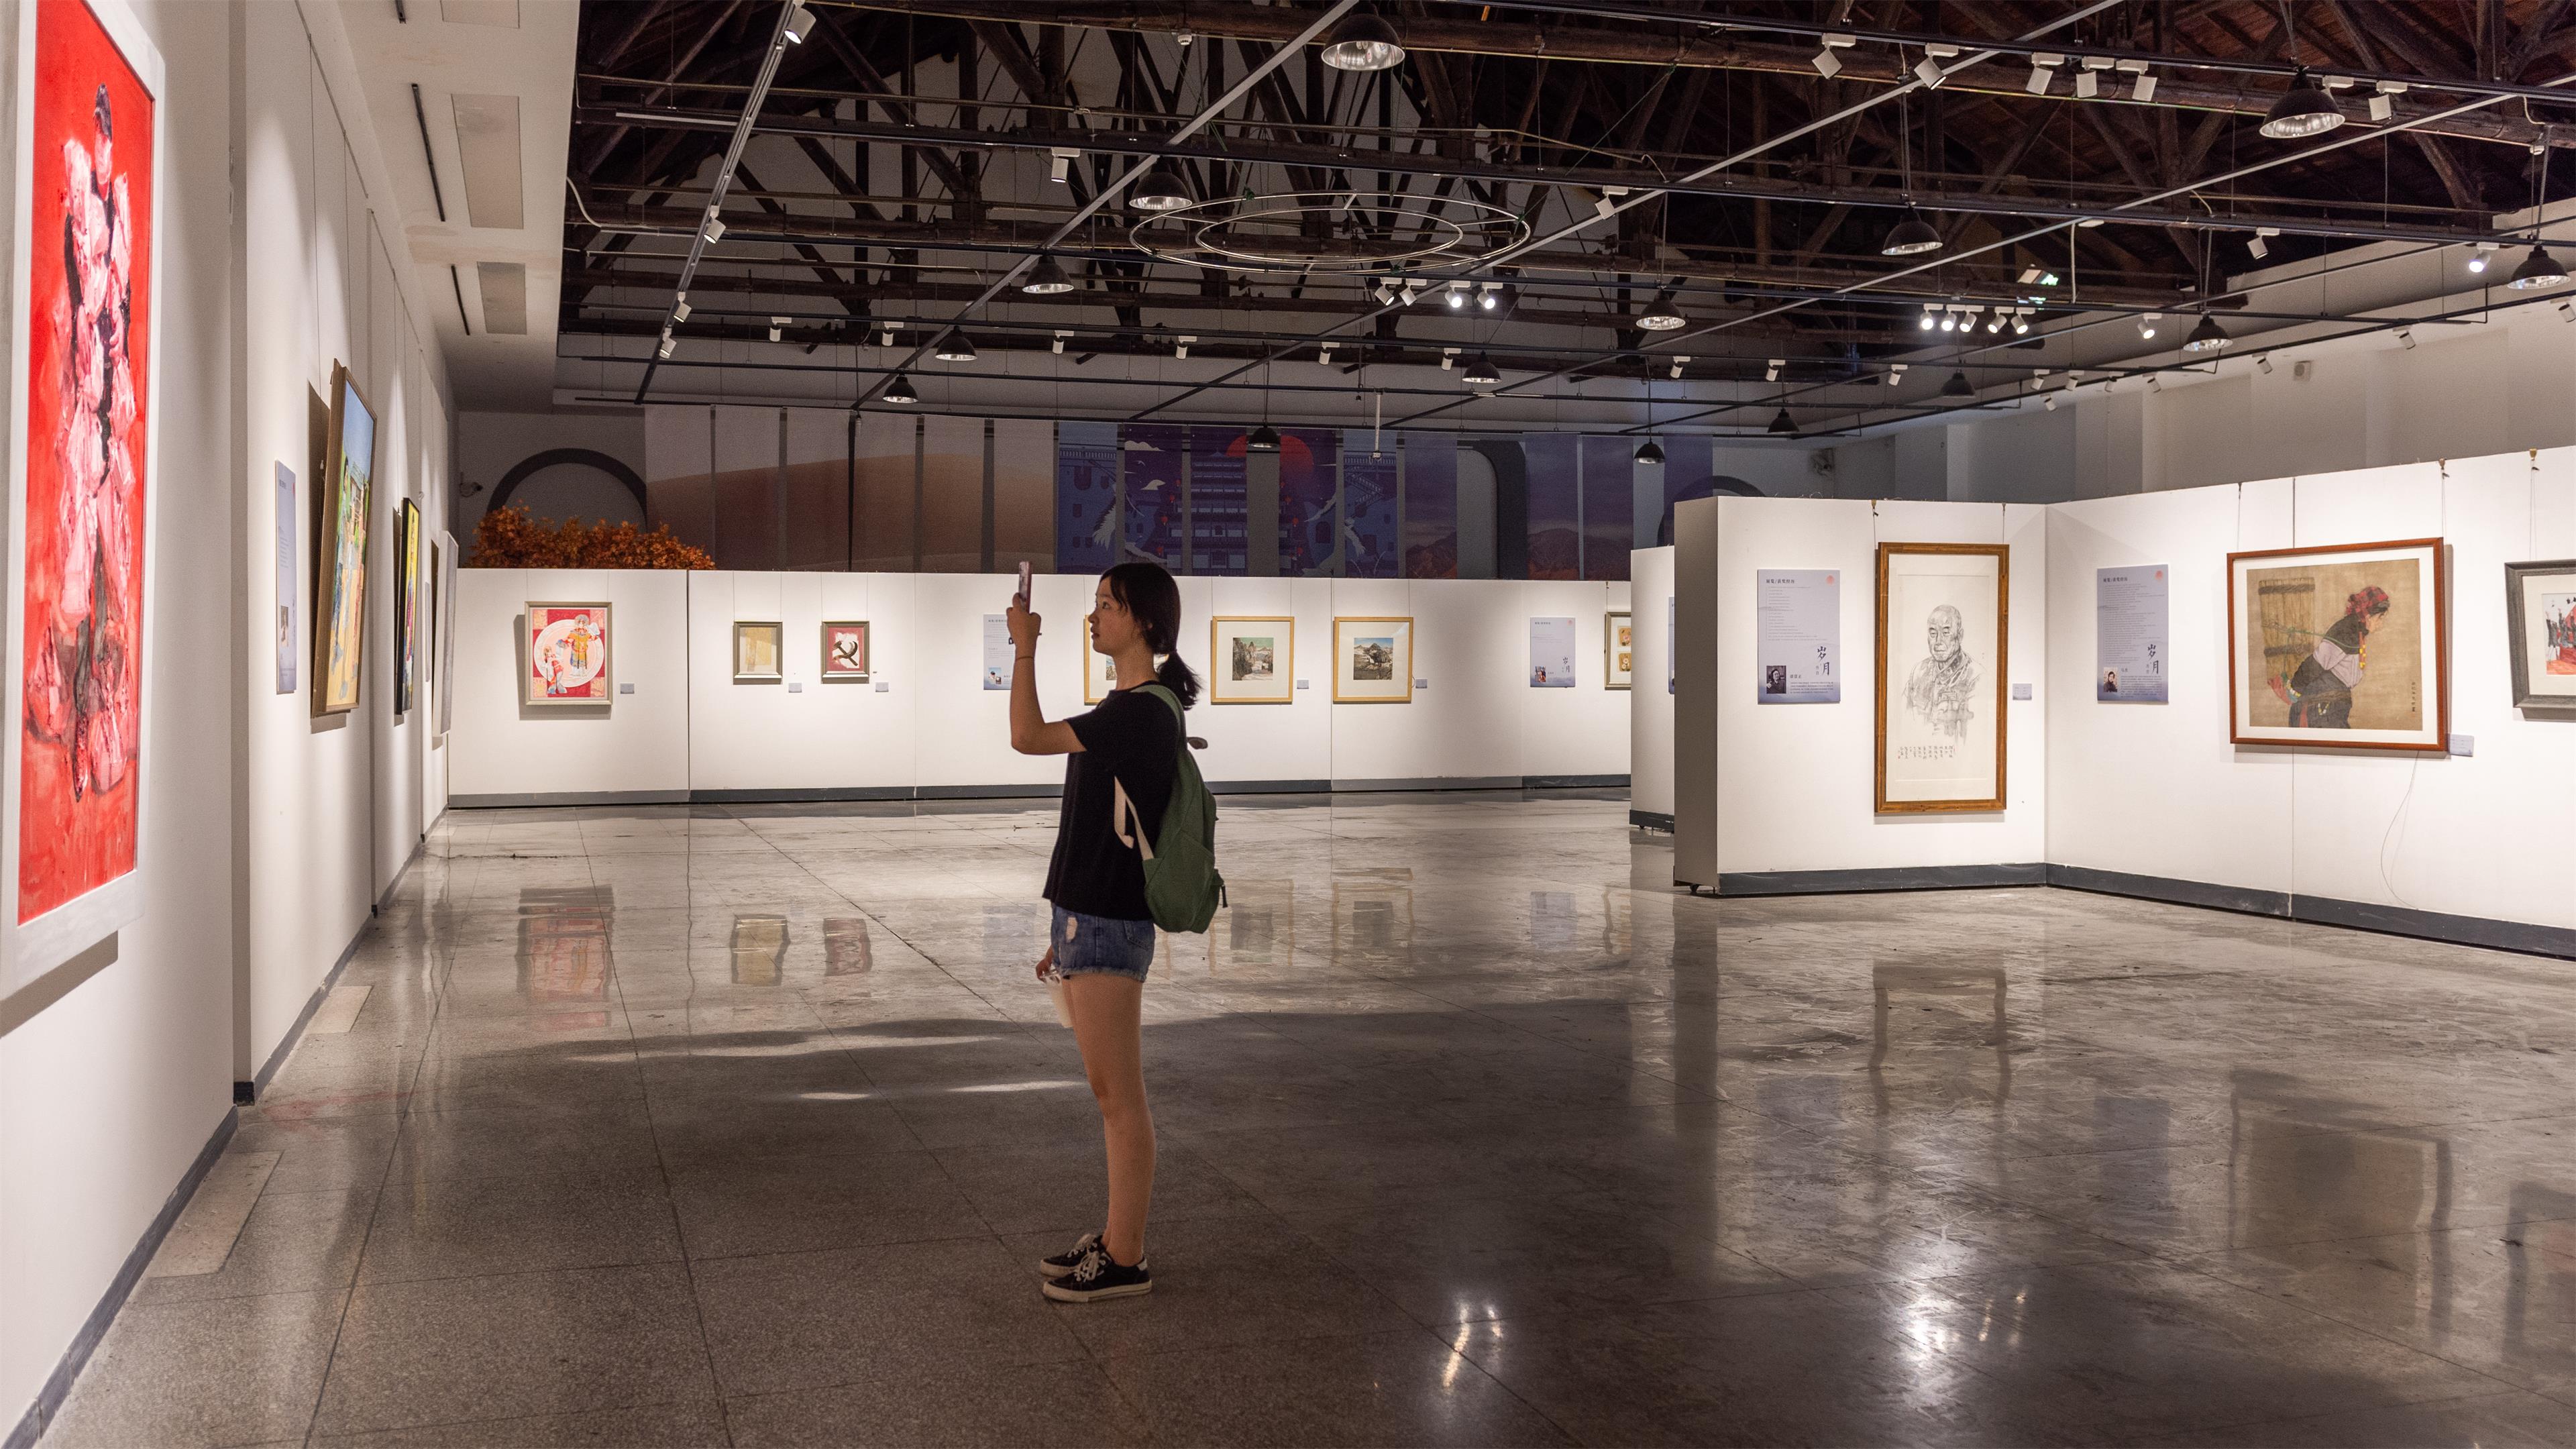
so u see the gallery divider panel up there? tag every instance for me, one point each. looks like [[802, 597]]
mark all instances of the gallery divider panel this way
[[1650, 706]]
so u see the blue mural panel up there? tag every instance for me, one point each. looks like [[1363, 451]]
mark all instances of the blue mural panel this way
[[1152, 457], [1217, 505], [1609, 505], [1309, 480], [1369, 514], [1086, 497], [1430, 506], [1555, 492]]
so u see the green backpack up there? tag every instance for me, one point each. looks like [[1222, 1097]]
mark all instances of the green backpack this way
[[1182, 887]]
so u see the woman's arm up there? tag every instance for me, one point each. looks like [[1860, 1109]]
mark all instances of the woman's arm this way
[[1031, 732]]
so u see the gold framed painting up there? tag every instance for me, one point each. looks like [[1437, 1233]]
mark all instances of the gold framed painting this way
[[1252, 660], [757, 655], [845, 651], [1618, 650], [1944, 624], [1373, 660], [2339, 647]]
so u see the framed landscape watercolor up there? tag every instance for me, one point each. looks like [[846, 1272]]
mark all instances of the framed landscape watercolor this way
[[1373, 661], [2339, 647], [1618, 650], [1251, 660], [758, 653], [2540, 626], [566, 662], [83, 465], [1943, 622], [845, 651]]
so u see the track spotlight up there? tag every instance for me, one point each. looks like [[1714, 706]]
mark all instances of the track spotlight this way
[[1324, 354], [2049, 403], [2088, 81], [1931, 313], [1782, 423], [1161, 190], [1412, 290], [664, 351], [1996, 324], [1949, 319], [2207, 336], [2043, 69], [1060, 335], [1771, 370], [1825, 64], [2406, 336], [680, 309], [2303, 110], [2478, 256], [1895, 374], [2144, 90], [714, 229], [1958, 385], [1489, 295], [1481, 372], [777, 329], [1181, 345], [2263, 365], [1457, 295], [1384, 291], [1449, 357], [955, 347], [2155, 383], [2567, 309], [1046, 279], [2540, 269], [1264, 439], [1912, 237], [1678, 364], [2258, 248], [1649, 452], [1928, 71], [1060, 164], [800, 23], [888, 336], [2021, 321], [2147, 325], [1363, 42], [2029, 275], [899, 391]]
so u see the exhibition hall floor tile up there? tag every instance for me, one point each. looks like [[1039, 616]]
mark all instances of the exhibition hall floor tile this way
[[674, 1125]]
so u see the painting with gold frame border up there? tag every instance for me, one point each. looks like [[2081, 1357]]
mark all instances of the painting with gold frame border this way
[[2341, 646], [1252, 659], [1373, 660], [1940, 698], [1618, 650]]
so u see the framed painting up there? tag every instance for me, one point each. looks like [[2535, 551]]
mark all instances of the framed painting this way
[[2341, 647], [1944, 619], [1373, 661], [845, 651], [567, 655], [1252, 660], [2540, 626], [442, 632], [406, 605], [1618, 650], [758, 657], [83, 465], [1099, 671], [340, 547]]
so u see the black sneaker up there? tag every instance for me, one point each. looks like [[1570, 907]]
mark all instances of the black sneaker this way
[[1099, 1276], [1070, 1259]]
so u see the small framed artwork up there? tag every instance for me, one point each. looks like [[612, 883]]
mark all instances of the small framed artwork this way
[[1618, 651], [1373, 661], [2340, 647], [1943, 622], [2540, 623], [1099, 671], [1252, 660], [757, 654], [567, 659], [845, 651]]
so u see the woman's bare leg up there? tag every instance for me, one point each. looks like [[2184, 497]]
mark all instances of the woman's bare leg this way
[[1107, 1025]]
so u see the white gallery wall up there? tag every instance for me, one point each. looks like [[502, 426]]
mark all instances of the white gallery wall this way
[[925, 724], [268, 835], [1650, 712]]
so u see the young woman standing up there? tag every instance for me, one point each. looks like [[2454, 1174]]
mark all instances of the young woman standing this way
[[1101, 936]]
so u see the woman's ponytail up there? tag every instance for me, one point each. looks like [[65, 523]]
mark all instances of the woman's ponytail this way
[[1179, 678]]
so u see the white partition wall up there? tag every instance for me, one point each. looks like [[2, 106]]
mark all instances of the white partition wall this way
[[924, 725], [1650, 705]]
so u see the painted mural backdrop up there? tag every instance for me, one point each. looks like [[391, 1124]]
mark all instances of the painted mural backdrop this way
[[89, 315]]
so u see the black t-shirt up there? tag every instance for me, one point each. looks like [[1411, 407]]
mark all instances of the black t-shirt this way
[[1134, 739]]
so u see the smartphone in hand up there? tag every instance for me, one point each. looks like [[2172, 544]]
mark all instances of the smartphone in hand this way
[[1025, 572]]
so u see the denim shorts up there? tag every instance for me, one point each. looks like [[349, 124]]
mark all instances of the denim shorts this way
[[1097, 943]]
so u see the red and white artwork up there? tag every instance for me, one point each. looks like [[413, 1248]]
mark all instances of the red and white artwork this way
[[567, 660], [89, 300]]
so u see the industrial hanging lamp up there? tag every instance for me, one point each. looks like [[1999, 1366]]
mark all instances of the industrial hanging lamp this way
[[1649, 452], [1913, 236], [2207, 336], [1046, 279], [2303, 110], [1782, 423], [1363, 43], [1958, 385], [1481, 372], [899, 391], [955, 347], [1161, 190], [1264, 439], [2540, 269]]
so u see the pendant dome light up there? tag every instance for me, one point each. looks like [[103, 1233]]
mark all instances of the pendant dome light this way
[[1650, 452], [1783, 423], [2208, 336], [1363, 43], [1958, 385], [1264, 439], [1481, 372], [1046, 279], [1913, 236], [1160, 190], [2540, 269], [2303, 110], [955, 347], [899, 391]]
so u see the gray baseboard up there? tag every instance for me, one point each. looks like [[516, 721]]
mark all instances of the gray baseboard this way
[[2243, 899], [1650, 820], [1269, 787], [67, 1370], [2436, 926], [568, 797], [792, 796], [1892, 878], [1433, 782], [1574, 782], [987, 792]]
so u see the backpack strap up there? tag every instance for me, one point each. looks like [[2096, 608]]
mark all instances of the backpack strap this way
[[1122, 810]]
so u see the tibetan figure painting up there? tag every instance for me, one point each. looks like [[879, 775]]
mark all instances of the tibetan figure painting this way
[[2339, 647], [567, 659], [90, 88], [2540, 617], [1943, 620], [340, 573]]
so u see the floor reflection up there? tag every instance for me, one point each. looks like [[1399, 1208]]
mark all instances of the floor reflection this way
[[759, 946]]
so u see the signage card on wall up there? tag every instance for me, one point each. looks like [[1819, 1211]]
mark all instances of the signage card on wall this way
[[2131, 661], [1798, 621], [997, 651], [1551, 653]]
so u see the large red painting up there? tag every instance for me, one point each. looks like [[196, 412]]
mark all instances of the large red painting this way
[[89, 304]]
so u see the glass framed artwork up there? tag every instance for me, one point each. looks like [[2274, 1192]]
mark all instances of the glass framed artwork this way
[[1099, 671], [2339, 647], [757, 653], [406, 609], [340, 568], [1373, 660], [845, 651], [566, 658], [1618, 650], [1251, 660], [1943, 624], [2540, 627]]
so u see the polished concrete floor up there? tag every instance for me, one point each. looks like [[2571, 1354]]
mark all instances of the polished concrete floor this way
[[672, 1126]]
